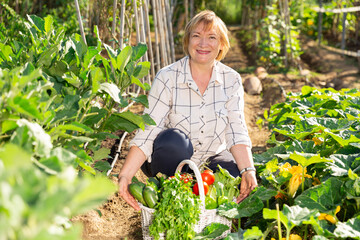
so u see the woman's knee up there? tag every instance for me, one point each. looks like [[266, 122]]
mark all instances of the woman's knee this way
[[174, 141]]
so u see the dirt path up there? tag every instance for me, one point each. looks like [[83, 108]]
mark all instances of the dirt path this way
[[119, 221]]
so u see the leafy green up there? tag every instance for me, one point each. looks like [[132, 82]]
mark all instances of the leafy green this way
[[177, 211], [212, 231]]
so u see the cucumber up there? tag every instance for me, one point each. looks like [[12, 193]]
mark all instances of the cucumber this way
[[150, 196], [136, 189]]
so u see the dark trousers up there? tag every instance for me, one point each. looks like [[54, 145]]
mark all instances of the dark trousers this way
[[172, 146]]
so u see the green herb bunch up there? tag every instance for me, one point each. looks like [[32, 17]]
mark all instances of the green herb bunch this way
[[177, 212]]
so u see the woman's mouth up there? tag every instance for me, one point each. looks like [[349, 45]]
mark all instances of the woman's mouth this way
[[202, 51]]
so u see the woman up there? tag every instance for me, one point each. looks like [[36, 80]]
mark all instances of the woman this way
[[198, 106]]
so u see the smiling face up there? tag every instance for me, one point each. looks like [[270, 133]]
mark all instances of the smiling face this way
[[204, 44]]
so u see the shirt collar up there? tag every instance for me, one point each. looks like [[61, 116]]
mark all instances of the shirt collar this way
[[215, 76]]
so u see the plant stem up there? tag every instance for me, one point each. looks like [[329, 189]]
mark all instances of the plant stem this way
[[306, 231], [278, 221], [303, 180]]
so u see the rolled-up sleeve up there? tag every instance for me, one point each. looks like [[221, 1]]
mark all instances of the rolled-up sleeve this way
[[236, 131], [159, 106]]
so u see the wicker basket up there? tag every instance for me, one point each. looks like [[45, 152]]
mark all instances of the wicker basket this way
[[206, 216]]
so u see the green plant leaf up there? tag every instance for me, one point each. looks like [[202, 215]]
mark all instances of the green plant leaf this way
[[95, 115], [93, 193], [37, 22], [102, 153], [102, 166], [264, 194], [137, 82], [253, 233], [341, 163], [147, 119], [346, 137], [89, 56], [273, 214], [6, 52], [142, 69], [116, 122], [47, 56], [48, 24], [138, 51], [212, 231], [112, 90], [318, 237], [123, 58], [297, 215], [8, 125], [112, 55], [305, 159], [97, 77], [72, 79], [141, 99], [246, 208], [325, 197], [39, 138], [350, 229], [9, 152]]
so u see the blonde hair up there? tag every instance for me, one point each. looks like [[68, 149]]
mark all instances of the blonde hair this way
[[210, 20]]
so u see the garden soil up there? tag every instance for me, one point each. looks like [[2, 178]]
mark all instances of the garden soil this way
[[115, 219]]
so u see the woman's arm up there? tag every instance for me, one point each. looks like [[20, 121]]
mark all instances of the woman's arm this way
[[133, 162], [243, 157]]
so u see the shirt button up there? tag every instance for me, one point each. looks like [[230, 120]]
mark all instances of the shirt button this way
[[202, 131], [202, 116]]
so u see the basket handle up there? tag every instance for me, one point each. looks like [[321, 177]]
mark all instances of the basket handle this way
[[199, 180]]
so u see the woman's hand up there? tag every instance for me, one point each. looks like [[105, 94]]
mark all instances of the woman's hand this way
[[125, 194], [248, 183]]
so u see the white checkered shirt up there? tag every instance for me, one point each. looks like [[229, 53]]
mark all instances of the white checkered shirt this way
[[213, 121]]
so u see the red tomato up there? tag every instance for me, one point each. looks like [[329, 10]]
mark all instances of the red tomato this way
[[196, 188], [208, 177], [186, 177]]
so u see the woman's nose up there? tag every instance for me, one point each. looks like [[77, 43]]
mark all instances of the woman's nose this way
[[203, 41]]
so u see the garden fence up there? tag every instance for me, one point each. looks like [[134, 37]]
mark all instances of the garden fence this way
[[320, 10]]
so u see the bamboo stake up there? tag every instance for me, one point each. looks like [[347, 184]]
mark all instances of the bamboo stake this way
[[143, 38], [113, 31], [288, 28], [343, 31], [282, 11], [166, 33], [141, 24], [170, 31], [320, 23], [80, 21], [162, 38], [186, 6], [151, 56], [136, 21], [172, 7], [122, 23], [191, 9], [156, 27]]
